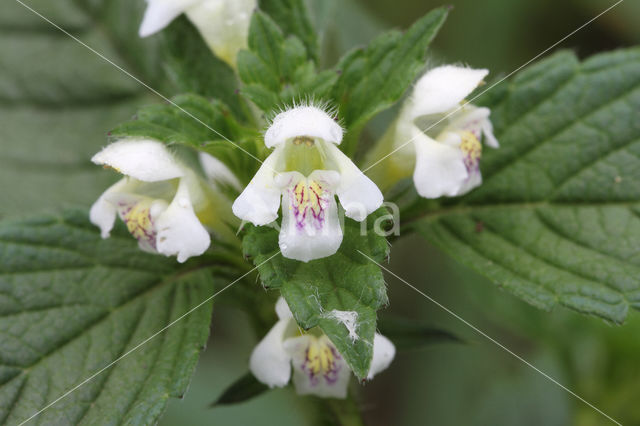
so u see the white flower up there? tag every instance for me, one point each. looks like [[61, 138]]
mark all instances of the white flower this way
[[307, 170], [445, 132], [318, 368], [159, 199], [224, 24]]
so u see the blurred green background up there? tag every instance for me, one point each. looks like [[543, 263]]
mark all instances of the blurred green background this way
[[58, 100]]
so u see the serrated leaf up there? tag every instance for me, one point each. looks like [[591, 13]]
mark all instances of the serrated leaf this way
[[243, 389], [253, 70], [374, 78], [292, 16], [72, 303], [294, 55], [557, 220], [265, 40], [346, 281]]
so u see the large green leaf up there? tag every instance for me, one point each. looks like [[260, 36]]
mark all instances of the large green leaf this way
[[72, 303], [346, 281], [557, 220], [374, 78], [58, 99]]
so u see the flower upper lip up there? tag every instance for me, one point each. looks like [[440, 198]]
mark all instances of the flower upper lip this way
[[303, 121], [131, 157]]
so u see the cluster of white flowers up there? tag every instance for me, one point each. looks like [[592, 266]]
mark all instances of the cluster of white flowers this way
[[172, 210]]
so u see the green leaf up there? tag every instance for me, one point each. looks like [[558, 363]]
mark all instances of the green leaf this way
[[557, 220], [194, 68], [53, 116], [254, 70], [73, 303], [200, 124], [279, 70], [292, 16], [243, 389], [45, 156], [47, 80], [345, 281], [266, 39], [373, 78], [264, 98]]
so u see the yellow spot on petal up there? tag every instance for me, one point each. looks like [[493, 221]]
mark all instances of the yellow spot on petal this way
[[320, 358], [471, 147], [139, 222]]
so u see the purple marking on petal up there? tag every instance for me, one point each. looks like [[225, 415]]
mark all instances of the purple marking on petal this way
[[322, 363], [309, 201], [472, 151], [139, 222]]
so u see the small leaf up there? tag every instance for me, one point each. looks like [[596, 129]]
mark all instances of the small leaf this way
[[346, 281], [278, 71], [245, 388], [374, 78], [265, 40], [253, 70], [292, 16], [264, 98], [73, 303], [556, 221], [294, 55]]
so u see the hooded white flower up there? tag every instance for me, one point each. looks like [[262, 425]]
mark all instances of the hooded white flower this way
[[307, 170], [161, 201], [318, 367], [224, 24], [445, 132]]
